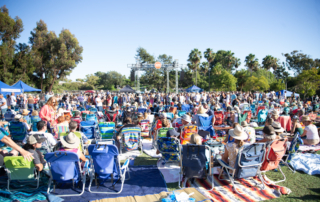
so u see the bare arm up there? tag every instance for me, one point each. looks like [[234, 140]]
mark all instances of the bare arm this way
[[8, 141], [304, 133], [293, 128], [225, 156], [39, 167]]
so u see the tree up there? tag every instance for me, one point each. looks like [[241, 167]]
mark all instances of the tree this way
[[10, 30], [256, 84], [297, 61], [165, 59], [144, 56], [252, 62], [91, 81], [269, 62], [278, 85], [242, 76], [309, 82], [194, 60], [225, 81], [209, 55], [265, 73], [226, 59], [281, 73]]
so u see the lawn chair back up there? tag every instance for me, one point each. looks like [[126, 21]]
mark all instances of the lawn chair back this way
[[142, 110], [169, 148], [92, 117], [162, 132], [88, 129], [262, 115], [107, 124], [34, 122], [92, 109], [131, 138], [249, 115], [274, 153], [219, 117], [253, 108], [249, 160], [61, 129], [260, 108], [185, 107], [205, 121], [169, 115], [9, 115], [194, 161], [181, 113], [17, 131], [111, 116], [144, 125], [242, 117], [19, 168], [186, 133], [107, 132], [245, 107]]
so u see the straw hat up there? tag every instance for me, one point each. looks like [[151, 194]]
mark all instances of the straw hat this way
[[17, 117], [70, 141], [275, 112], [277, 127], [238, 133], [176, 116], [285, 104], [244, 124], [268, 130], [186, 118], [25, 112], [201, 110], [305, 118]]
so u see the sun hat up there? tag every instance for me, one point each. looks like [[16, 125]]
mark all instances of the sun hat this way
[[70, 141], [285, 104], [305, 118], [254, 125], [17, 117], [275, 112], [201, 110], [25, 112], [172, 132], [277, 127], [268, 130], [140, 114], [244, 123], [238, 133], [33, 139], [186, 118]]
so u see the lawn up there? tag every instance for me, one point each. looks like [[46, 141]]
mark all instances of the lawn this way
[[304, 187]]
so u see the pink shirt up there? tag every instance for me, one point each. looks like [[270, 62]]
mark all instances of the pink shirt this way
[[46, 111]]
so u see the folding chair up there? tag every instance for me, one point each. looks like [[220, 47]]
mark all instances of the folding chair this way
[[185, 107], [169, 115], [181, 113], [294, 147], [262, 116], [194, 163], [105, 165], [9, 115], [60, 129], [78, 134], [107, 133], [249, 115], [131, 139], [274, 153], [219, 117], [65, 167], [206, 125], [34, 122], [83, 115], [107, 124], [74, 112], [111, 116], [253, 109], [88, 128], [17, 168], [245, 107], [260, 108], [142, 110], [169, 149], [92, 109], [242, 117], [92, 117], [248, 163], [186, 133], [17, 131]]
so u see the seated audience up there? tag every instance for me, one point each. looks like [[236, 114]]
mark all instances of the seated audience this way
[[310, 131], [42, 128], [33, 143], [296, 126], [268, 134]]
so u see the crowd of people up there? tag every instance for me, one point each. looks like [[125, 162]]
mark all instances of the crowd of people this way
[[41, 115]]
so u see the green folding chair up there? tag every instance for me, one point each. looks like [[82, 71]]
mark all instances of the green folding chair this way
[[18, 168], [78, 134]]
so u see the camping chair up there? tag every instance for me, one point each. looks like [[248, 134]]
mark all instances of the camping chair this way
[[78, 134], [206, 124], [60, 129], [262, 116], [88, 129], [131, 139], [181, 113], [107, 124], [65, 167], [194, 163], [169, 115], [74, 112], [18, 168], [248, 163], [294, 147], [92, 117], [253, 109], [186, 133], [81, 109], [17, 131], [242, 117], [260, 108], [161, 132], [142, 110], [92, 109], [274, 153], [111, 116], [105, 164], [144, 126], [245, 107], [185, 107], [84, 115], [9, 116], [249, 115], [219, 117], [107, 132], [169, 148], [34, 122]]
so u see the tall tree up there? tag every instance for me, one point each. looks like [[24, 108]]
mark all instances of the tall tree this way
[[10, 30], [281, 73], [144, 56], [226, 59], [269, 62], [256, 83], [242, 76], [209, 55], [309, 82], [194, 60], [297, 61], [252, 62]]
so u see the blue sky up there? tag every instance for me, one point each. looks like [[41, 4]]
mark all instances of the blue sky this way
[[111, 31]]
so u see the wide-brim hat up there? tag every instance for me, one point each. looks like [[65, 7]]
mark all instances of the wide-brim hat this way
[[17, 117], [275, 112], [238, 133], [277, 127], [244, 123], [70, 141], [305, 118], [201, 110], [25, 112], [186, 118]]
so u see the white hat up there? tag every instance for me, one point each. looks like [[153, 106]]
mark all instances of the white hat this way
[[17, 117], [70, 141], [277, 127], [275, 112], [186, 118], [238, 133]]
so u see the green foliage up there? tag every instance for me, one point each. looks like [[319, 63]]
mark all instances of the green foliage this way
[[265, 73], [144, 56], [297, 61], [194, 61], [242, 76], [308, 82], [269, 62], [256, 84], [226, 59], [278, 85], [223, 81], [252, 62], [91, 81], [110, 80], [281, 73]]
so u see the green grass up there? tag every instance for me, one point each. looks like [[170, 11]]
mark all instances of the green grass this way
[[304, 187]]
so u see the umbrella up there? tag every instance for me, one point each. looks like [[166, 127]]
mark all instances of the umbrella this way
[[89, 91]]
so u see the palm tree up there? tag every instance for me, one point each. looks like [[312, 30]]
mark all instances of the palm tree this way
[[269, 62], [209, 55], [237, 62], [252, 62], [194, 60]]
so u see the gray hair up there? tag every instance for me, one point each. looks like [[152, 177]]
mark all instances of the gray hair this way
[[73, 125], [270, 137]]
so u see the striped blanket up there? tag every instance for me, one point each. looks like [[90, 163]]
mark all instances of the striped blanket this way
[[250, 189]]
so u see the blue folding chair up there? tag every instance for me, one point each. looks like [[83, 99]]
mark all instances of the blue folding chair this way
[[262, 116], [131, 139], [88, 128], [169, 149], [169, 115], [34, 122], [206, 125], [142, 110], [181, 113], [248, 163], [92, 109], [17, 131], [185, 107], [9, 116], [92, 117], [105, 165], [65, 167]]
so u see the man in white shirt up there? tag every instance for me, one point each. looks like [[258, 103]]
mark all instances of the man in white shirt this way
[[3, 105], [42, 128], [13, 100], [99, 103]]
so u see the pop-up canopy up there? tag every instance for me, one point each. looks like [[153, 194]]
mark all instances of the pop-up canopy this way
[[127, 89], [194, 89], [24, 87], [6, 89]]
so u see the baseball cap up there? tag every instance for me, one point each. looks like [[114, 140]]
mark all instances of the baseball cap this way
[[33, 139], [172, 132]]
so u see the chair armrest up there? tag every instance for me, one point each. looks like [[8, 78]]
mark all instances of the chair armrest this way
[[126, 164], [224, 164]]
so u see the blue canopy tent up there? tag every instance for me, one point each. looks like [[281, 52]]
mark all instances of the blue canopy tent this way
[[24, 87], [194, 89], [7, 90], [288, 93]]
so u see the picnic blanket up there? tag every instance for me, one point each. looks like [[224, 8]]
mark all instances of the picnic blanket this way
[[143, 180], [223, 190], [169, 170], [308, 163], [129, 154], [147, 148], [156, 197], [305, 148]]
